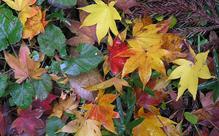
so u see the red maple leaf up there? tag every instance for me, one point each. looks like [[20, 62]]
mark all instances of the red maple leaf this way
[[117, 62], [28, 122], [45, 104]]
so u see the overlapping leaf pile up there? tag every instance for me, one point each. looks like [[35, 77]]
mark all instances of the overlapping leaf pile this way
[[115, 74]]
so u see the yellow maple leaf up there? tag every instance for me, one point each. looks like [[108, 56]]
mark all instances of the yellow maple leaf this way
[[144, 61], [103, 16], [116, 82], [34, 25], [24, 8], [152, 124], [189, 72], [146, 35]]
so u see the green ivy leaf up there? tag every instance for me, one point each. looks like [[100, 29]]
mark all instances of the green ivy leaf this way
[[88, 59], [53, 124], [22, 94], [3, 84], [63, 3], [10, 28], [191, 118], [53, 39], [42, 87]]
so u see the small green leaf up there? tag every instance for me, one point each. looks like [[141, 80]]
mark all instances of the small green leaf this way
[[89, 58], [22, 94], [53, 39], [10, 28], [191, 118], [63, 3], [216, 62], [53, 124], [135, 123], [173, 21], [3, 84], [42, 87]]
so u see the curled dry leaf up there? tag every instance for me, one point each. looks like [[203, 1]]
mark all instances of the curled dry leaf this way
[[80, 82], [82, 126], [24, 66], [67, 105]]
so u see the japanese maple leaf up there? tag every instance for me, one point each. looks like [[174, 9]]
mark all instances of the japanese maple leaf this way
[[116, 82], [82, 126], [45, 105], [146, 35], [24, 8], [189, 72], [152, 124], [24, 66], [103, 16], [102, 111], [116, 62], [28, 122], [35, 25], [144, 61]]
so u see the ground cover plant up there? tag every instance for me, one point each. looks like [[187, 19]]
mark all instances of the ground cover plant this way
[[108, 68]]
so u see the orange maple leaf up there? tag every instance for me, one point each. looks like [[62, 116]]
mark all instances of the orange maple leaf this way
[[35, 24], [102, 111], [24, 66]]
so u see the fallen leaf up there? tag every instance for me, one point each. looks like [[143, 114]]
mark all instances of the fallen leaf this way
[[3, 122], [80, 82], [24, 66], [67, 105], [103, 111], [35, 24], [152, 124], [144, 61], [116, 62], [24, 8], [146, 35], [28, 122], [90, 127], [83, 34], [144, 99], [190, 71], [116, 82], [103, 16], [45, 105]]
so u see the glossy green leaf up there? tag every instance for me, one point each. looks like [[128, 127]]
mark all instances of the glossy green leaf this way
[[63, 3], [42, 87], [10, 28], [22, 94], [191, 118], [88, 59], [53, 39], [53, 124], [216, 62], [3, 84]]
